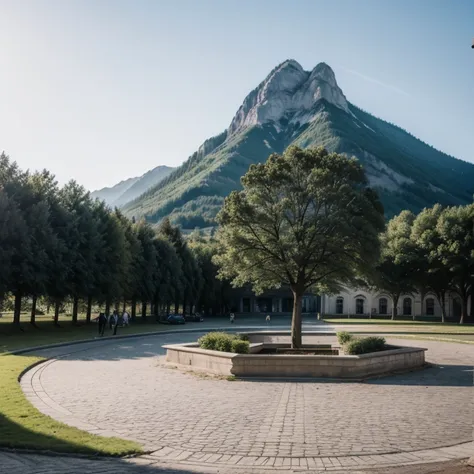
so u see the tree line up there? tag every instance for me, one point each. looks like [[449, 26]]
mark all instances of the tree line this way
[[432, 251], [58, 244]]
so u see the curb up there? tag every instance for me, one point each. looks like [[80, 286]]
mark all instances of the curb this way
[[127, 336], [157, 333]]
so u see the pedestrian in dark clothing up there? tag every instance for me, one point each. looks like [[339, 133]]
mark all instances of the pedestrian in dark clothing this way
[[102, 323]]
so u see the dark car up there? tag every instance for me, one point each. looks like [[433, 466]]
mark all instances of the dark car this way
[[194, 318], [176, 319]]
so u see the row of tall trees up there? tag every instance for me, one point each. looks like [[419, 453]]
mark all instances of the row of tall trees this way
[[432, 251], [59, 244]]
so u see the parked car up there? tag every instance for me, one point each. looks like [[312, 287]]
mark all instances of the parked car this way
[[176, 319], [194, 318]]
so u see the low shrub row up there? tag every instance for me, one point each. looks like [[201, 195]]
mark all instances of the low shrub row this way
[[365, 345], [360, 345], [223, 342]]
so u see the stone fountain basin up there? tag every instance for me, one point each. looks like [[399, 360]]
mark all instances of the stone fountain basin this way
[[346, 367]]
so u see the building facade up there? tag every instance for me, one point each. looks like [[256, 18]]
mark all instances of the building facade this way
[[350, 302], [244, 300], [365, 304]]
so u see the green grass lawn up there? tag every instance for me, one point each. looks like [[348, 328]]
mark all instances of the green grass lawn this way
[[46, 333], [23, 426], [401, 325]]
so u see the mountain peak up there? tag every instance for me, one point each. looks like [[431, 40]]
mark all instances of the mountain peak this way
[[286, 91], [290, 63], [325, 72]]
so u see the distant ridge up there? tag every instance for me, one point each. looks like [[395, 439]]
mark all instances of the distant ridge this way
[[130, 189]]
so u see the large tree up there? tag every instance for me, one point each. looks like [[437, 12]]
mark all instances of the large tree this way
[[426, 240], [396, 272], [455, 229], [306, 219]]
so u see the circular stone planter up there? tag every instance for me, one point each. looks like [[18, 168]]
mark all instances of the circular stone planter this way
[[394, 359]]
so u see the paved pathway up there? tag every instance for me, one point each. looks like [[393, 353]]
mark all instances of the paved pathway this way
[[204, 425]]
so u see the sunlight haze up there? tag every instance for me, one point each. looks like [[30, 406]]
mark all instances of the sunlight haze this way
[[100, 91]]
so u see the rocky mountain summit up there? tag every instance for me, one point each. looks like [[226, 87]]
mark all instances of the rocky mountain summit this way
[[305, 108], [289, 91]]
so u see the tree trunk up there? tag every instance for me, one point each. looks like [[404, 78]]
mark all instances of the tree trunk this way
[[57, 305], [17, 309], [89, 309], [107, 308], [422, 292], [395, 299], [156, 311], [464, 314], [124, 307], [168, 309], [184, 307], [144, 310], [134, 308], [471, 309], [33, 311], [442, 302], [176, 307], [75, 304], [296, 321]]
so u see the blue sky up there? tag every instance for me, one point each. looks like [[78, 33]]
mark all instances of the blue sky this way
[[100, 90]]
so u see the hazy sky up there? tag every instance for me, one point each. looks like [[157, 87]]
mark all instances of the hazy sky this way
[[100, 90]]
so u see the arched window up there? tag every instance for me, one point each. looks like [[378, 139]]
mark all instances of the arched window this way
[[339, 305], [430, 306], [407, 306], [383, 306], [359, 306]]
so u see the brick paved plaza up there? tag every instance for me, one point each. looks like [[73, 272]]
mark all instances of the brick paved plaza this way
[[196, 424]]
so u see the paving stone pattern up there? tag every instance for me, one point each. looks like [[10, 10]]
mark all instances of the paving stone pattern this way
[[120, 388]]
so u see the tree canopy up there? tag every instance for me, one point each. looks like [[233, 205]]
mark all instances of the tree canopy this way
[[58, 244], [433, 251], [306, 219]]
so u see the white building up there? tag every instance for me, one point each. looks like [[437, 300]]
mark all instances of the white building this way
[[363, 303]]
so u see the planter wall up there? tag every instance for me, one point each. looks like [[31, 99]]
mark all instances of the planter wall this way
[[395, 359]]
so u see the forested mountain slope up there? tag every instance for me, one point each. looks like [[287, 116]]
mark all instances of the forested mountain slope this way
[[293, 106]]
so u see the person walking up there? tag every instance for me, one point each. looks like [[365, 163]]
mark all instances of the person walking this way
[[102, 320], [116, 323], [232, 318], [125, 318], [112, 319], [268, 319]]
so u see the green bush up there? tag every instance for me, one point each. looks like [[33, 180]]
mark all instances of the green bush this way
[[343, 337], [240, 347], [364, 345], [223, 342], [243, 337], [212, 340]]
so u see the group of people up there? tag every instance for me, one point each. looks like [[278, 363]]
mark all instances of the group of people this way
[[113, 320]]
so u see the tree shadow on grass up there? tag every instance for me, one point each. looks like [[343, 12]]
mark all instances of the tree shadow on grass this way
[[26, 463], [60, 456], [15, 436]]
